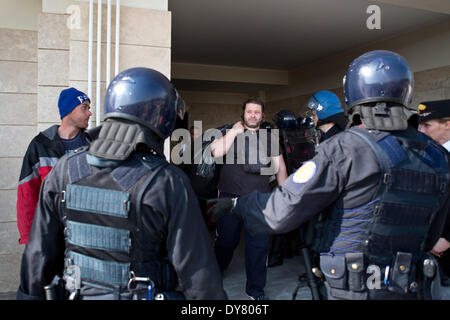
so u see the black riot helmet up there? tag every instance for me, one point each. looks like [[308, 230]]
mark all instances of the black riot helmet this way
[[144, 96], [266, 125], [285, 119], [376, 76], [378, 87], [305, 123]]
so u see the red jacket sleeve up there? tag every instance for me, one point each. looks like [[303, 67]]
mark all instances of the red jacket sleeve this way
[[30, 181]]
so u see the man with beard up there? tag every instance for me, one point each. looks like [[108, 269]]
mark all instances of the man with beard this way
[[246, 169], [46, 148]]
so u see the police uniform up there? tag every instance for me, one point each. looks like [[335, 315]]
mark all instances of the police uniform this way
[[384, 187], [116, 221], [435, 110], [297, 140], [344, 178], [327, 107]]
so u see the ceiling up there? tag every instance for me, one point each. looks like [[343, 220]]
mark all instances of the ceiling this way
[[282, 34]]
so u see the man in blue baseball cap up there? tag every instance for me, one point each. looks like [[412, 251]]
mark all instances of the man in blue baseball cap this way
[[44, 151], [327, 113]]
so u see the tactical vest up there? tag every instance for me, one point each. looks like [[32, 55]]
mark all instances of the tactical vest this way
[[391, 230], [105, 244]]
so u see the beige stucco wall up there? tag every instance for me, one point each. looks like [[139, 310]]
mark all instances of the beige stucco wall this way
[[426, 50], [213, 109], [19, 14], [18, 93], [218, 108], [145, 41]]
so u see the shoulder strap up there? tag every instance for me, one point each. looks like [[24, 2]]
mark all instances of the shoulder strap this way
[[78, 165], [155, 164], [383, 159]]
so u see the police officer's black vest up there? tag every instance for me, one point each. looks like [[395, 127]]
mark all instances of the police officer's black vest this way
[[415, 181], [103, 227]]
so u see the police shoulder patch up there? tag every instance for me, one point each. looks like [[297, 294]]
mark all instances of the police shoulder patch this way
[[305, 172]]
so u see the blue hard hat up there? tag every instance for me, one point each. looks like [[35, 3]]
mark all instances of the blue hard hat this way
[[378, 76], [285, 119], [144, 96], [325, 103]]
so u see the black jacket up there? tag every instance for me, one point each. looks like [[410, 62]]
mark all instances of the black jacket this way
[[169, 210]]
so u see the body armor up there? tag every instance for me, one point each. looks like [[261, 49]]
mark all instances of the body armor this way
[[102, 221], [390, 231]]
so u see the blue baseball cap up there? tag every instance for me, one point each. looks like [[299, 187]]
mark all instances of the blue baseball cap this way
[[326, 104], [69, 99]]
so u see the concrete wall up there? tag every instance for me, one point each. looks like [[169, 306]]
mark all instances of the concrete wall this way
[[433, 84], [39, 56], [214, 109], [426, 50], [18, 93], [145, 41], [20, 14]]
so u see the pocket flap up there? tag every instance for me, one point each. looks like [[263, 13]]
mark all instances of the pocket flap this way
[[333, 266]]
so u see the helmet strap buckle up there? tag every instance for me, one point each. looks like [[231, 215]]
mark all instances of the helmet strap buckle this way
[[381, 110]]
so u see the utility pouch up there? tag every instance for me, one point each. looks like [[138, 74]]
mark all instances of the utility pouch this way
[[399, 280], [333, 267], [355, 269]]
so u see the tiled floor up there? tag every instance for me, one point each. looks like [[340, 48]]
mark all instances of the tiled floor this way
[[281, 280]]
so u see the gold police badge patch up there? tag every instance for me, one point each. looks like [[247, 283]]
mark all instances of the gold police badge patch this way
[[305, 172]]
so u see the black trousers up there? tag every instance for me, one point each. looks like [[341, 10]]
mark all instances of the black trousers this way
[[256, 251]]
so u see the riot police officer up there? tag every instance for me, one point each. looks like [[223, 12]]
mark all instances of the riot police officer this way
[[297, 140], [383, 184], [115, 220]]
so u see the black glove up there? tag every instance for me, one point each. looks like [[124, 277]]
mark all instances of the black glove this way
[[222, 207]]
